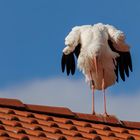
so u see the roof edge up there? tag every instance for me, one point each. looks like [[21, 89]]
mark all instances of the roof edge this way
[[131, 124], [17, 104], [110, 119], [13, 103], [59, 111]]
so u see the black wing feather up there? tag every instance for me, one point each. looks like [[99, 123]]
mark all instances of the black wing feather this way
[[116, 71], [68, 61], [72, 64], [121, 67], [124, 63], [129, 62], [68, 64], [77, 50], [63, 62]]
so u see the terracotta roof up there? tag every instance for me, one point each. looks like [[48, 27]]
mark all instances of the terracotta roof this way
[[20, 121]]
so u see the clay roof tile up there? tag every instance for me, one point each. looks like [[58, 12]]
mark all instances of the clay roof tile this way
[[11, 103], [20, 121]]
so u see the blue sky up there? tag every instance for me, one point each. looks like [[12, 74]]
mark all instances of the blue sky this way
[[32, 36]]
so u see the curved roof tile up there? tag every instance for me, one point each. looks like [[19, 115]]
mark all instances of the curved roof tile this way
[[20, 121]]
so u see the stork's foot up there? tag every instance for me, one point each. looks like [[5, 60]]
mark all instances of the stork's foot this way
[[93, 113], [105, 114]]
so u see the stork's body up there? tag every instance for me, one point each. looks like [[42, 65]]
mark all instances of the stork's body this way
[[94, 42], [99, 49]]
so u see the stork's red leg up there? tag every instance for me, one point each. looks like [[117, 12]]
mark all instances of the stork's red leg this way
[[92, 86], [93, 103], [95, 60], [103, 89]]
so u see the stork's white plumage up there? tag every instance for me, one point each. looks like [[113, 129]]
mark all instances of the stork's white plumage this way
[[102, 54]]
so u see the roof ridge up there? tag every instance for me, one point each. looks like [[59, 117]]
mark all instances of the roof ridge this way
[[13, 103], [60, 111]]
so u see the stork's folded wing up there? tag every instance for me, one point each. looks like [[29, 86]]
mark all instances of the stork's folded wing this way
[[124, 62]]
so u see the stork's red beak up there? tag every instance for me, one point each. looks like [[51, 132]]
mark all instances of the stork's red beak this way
[[95, 60]]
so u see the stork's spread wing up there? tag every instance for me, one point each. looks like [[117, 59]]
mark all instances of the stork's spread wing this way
[[68, 61], [124, 62]]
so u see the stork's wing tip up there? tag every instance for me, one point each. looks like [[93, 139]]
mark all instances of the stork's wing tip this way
[[123, 80], [131, 69], [68, 63], [63, 62], [124, 62]]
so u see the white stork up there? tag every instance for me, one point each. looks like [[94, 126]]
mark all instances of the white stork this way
[[102, 55]]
